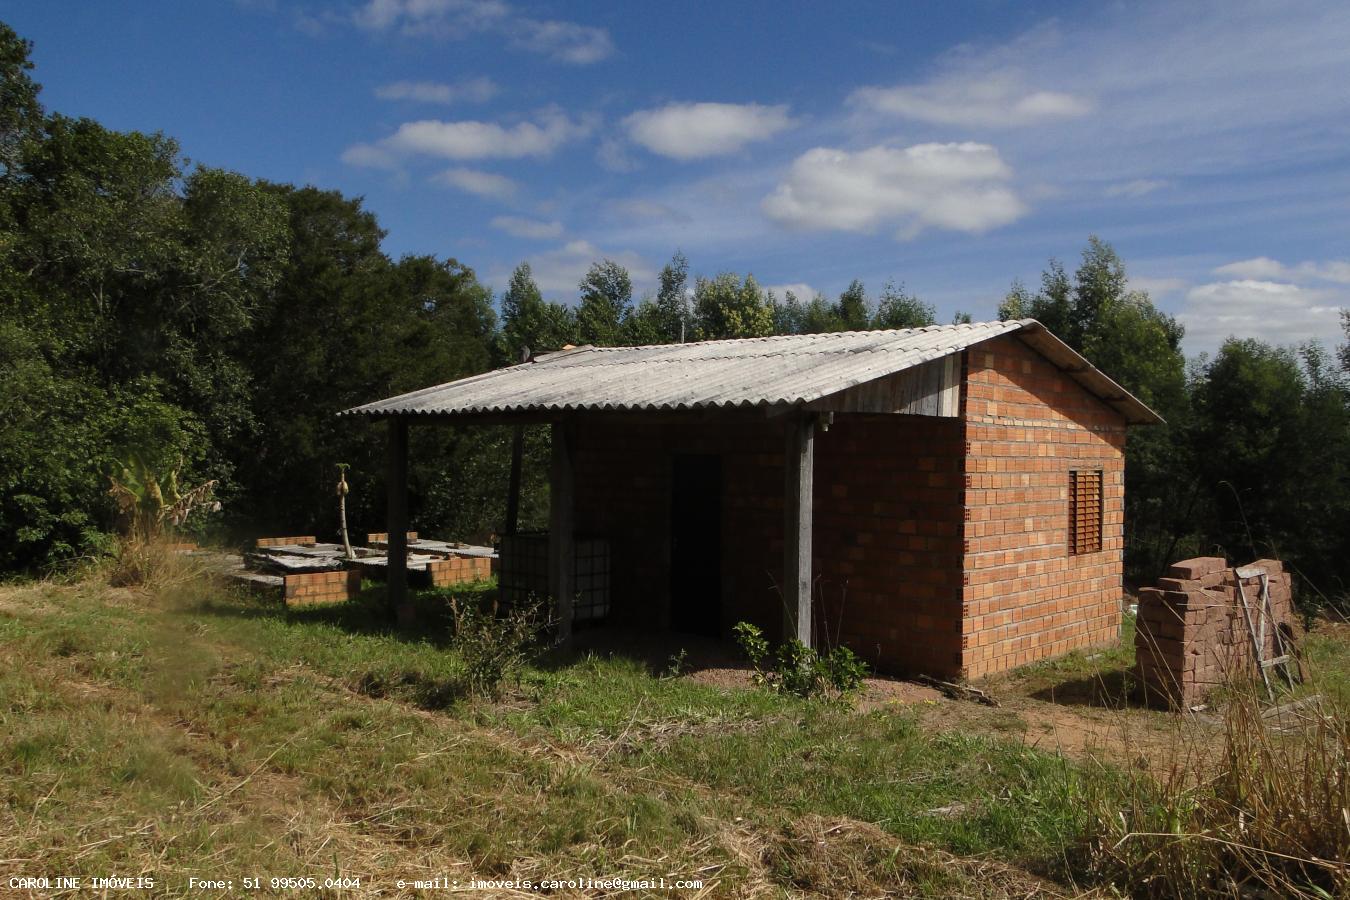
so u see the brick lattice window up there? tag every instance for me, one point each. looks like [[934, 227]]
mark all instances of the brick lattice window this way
[[1085, 511]]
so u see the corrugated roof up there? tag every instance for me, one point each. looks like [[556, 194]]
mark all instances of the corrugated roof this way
[[787, 370]]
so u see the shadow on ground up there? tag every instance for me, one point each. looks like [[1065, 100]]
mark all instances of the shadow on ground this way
[[1112, 689], [659, 652]]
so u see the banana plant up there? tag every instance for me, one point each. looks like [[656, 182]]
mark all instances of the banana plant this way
[[148, 501]]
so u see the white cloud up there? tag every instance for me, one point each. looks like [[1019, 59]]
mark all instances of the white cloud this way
[[472, 90], [1336, 271], [799, 289], [612, 154], [440, 18], [1245, 94], [369, 156], [563, 41], [1258, 267], [567, 42], [1277, 312], [517, 226], [638, 209], [1137, 188], [469, 139], [686, 131], [998, 99], [559, 271], [960, 187], [480, 183]]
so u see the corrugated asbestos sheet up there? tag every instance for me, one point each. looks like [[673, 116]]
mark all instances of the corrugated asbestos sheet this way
[[791, 370]]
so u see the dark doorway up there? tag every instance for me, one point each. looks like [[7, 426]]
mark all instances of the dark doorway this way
[[696, 544]]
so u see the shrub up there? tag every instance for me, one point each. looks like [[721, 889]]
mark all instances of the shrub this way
[[798, 669], [493, 647]]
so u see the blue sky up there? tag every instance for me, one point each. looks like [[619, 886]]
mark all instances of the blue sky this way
[[949, 146]]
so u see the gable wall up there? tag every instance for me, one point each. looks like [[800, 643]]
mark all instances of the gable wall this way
[[1026, 425]]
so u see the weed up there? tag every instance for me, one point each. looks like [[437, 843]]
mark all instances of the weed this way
[[675, 668], [801, 670], [494, 647]]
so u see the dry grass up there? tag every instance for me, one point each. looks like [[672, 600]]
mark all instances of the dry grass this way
[[168, 733], [1263, 806], [149, 560], [178, 730]]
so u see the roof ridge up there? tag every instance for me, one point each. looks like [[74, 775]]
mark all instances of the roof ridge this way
[[812, 335]]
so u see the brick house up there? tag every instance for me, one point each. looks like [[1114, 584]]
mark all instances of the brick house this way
[[945, 500]]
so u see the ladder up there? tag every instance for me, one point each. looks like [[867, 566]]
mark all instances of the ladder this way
[[1257, 630]]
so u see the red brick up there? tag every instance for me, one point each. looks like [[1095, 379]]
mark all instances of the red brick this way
[[1197, 567]]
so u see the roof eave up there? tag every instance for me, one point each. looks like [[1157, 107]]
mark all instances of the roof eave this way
[[1093, 379]]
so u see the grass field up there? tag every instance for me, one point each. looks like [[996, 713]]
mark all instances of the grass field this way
[[197, 733]]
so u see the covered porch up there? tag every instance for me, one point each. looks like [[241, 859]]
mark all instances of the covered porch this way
[[701, 520]]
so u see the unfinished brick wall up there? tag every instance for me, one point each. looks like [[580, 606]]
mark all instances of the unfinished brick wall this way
[[887, 533], [623, 485], [459, 570], [1191, 635], [887, 540], [309, 588], [1027, 425]]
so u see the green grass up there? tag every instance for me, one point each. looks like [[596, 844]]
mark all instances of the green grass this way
[[1327, 654], [210, 733]]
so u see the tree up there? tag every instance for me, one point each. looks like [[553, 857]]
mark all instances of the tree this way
[[727, 307], [606, 301], [671, 316], [529, 322], [899, 309], [851, 311], [1050, 306], [1017, 303], [1345, 348], [1272, 444], [20, 112], [1123, 334], [646, 324], [787, 313]]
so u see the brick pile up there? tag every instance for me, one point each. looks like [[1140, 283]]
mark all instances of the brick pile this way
[[459, 570], [1191, 635], [309, 588], [382, 537], [303, 541]]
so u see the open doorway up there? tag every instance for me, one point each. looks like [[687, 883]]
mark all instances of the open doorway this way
[[696, 544]]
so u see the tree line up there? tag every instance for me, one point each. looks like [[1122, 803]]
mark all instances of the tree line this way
[[710, 308], [212, 324]]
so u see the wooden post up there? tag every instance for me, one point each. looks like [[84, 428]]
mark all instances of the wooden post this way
[[561, 541], [398, 520], [517, 452], [513, 487], [799, 453]]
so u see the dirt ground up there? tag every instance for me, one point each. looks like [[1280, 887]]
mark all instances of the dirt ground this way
[[1140, 737]]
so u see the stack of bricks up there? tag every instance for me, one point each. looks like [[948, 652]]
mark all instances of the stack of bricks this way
[[379, 538], [307, 588], [459, 570], [1191, 635], [303, 541]]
